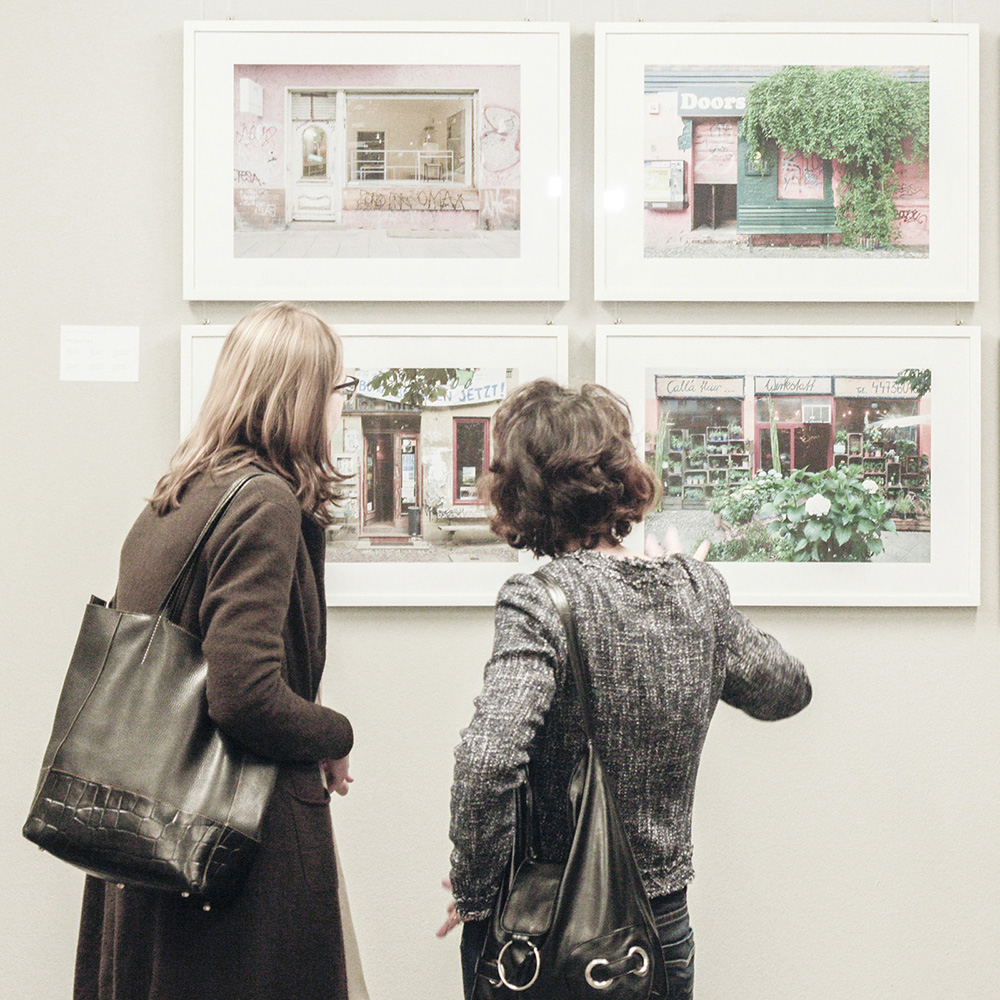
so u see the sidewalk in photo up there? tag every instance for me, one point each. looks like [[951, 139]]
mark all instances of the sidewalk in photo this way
[[706, 246], [349, 550], [326, 240]]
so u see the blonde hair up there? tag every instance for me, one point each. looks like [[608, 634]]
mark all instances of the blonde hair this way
[[267, 403]]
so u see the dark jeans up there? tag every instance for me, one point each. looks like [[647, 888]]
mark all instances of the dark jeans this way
[[677, 940], [672, 924]]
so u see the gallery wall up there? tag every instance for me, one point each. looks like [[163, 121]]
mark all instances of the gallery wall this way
[[850, 852]]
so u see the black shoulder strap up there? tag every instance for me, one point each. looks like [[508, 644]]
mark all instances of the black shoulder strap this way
[[561, 602], [173, 603]]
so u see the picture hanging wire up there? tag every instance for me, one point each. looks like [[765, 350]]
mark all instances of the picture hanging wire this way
[[936, 17], [527, 11], [632, 15]]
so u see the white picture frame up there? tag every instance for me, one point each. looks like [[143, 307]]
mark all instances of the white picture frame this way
[[532, 351], [518, 161], [947, 573], [626, 264]]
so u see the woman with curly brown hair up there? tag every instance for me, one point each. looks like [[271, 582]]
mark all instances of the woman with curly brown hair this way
[[662, 643]]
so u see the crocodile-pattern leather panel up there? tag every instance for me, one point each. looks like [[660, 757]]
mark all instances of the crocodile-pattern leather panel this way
[[128, 838]]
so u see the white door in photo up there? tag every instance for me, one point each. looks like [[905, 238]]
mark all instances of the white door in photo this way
[[314, 161]]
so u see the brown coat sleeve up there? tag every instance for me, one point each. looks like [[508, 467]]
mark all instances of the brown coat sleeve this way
[[242, 617]]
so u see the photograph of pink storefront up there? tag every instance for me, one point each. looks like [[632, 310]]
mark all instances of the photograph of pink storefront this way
[[376, 161], [719, 183]]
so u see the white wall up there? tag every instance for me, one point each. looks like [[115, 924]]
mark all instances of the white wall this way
[[849, 853]]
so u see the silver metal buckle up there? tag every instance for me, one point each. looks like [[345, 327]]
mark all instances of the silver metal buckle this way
[[503, 978]]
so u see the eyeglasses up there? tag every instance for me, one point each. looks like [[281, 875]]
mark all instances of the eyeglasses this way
[[348, 388]]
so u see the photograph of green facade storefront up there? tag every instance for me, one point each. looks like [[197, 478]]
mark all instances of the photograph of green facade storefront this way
[[788, 468], [794, 161]]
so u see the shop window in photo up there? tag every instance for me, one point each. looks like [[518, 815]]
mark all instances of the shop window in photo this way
[[471, 450], [409, 138], [699, 444]]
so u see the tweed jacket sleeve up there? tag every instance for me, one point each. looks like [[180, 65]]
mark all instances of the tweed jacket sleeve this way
[[761, 678], [518, 687]]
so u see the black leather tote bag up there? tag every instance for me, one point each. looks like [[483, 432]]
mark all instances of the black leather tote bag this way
[[583, 929], [138, 786]]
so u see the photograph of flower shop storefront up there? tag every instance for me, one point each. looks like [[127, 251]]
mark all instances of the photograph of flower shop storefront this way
[[794, 467], [414, 443], [775, 160]]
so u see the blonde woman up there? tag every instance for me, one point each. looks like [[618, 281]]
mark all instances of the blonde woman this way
[[258, 605]]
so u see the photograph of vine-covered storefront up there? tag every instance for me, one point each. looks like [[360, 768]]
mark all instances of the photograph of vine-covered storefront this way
[[794, 161], [834, 467], [414, 443]]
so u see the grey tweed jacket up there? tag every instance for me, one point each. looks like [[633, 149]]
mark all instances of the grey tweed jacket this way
[[663, 644]]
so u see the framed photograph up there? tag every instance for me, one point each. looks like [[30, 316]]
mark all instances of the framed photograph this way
[[787, 162], [413, 440], [804, 455], [354, 161]]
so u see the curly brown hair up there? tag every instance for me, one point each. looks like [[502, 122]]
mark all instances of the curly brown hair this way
[[565, 471]]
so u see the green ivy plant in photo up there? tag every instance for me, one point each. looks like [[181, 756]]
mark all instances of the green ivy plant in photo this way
[[864, 118]]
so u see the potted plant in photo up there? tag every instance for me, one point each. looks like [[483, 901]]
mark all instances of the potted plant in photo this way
[[831, 516], [873, 441], [840, 443], [902, 512], [696, 457]]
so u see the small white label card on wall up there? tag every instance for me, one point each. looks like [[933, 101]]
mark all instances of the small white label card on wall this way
[[99, 354]]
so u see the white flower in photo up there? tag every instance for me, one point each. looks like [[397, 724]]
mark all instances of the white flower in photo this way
[[774, 472], [817, 505], [870, 485]]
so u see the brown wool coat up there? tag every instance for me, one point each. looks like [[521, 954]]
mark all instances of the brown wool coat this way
[[258, 604]]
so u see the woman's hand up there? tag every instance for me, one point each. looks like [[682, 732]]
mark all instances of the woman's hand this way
[[336, 774], [452, 920], [673, 542]]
